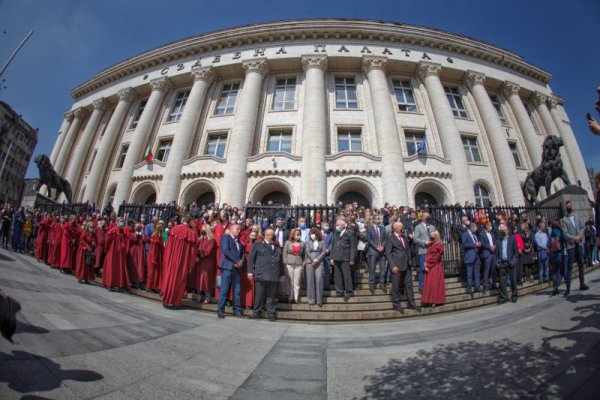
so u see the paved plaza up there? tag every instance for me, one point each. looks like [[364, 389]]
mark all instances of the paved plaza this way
[[80, 341]]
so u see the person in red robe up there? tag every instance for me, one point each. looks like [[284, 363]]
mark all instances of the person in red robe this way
[[68, 244], [85, 259], [218, 231], [58, 231], [206, 263], [99, 236], [246, 283], [114, 274], [136, 267], [155, 258], [50, 242], [180, 257], [245, 233], [434, 286], [41, 249]]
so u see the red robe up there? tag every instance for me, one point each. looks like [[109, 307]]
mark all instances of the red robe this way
[[180, 257], [83, 271], [434, 287], [207, 266], [56, 244], [68, 245], [115, 262], [218, 232], [99, 236], [247, 284], [136, 253], [155, 263], [41, 250]]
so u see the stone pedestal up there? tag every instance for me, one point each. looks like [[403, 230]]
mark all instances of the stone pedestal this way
[[578, 196]]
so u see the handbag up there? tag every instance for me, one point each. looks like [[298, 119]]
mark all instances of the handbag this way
[[555, 245]]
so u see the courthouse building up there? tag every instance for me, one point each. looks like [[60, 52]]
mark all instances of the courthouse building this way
[[312, 112]]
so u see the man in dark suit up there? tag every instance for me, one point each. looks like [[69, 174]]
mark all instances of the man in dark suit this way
[[508, 260], [266, 268], [232, 259], [397, 252], [327, 236], [281, 233], [471, 244], [376, 237], [489, 241], [343, 255]]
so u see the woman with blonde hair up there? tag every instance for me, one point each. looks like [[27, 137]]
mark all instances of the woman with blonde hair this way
[[293, 259], [434, 286]]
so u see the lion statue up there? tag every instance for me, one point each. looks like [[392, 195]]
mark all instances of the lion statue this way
[[51, 179], [550, 169]]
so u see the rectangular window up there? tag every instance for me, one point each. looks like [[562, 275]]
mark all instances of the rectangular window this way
[[349, 140], [498, 108], [164, 148], [280, 140], [178, 106], [122, 155], [285, 93], [138, 114], [345, 93], [535, 128], [471, 149], [228, 98], [404, 96], [456, 103], [413, 140], [515, 153], [216, 145]]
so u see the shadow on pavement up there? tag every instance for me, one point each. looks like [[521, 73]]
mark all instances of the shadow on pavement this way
[[25, 373], [563, 366], [24, 327]]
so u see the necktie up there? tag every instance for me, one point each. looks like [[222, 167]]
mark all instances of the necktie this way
[[378, 236]]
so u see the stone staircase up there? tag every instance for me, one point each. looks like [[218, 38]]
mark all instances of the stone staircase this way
[[365, 306]]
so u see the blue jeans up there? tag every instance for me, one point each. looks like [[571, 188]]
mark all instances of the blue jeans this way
[[421, 271], [560, 262], [544, 270], [230, 278]]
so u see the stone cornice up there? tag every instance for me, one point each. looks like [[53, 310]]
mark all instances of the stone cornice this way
[[274, 154], [352, 154], [192, 160], [424, 174], [426, 156], [359, 172], [202, 174], [318, 30], [150, 163], [139, 178], [256, 173]]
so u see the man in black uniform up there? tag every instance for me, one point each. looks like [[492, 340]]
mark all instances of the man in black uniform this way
[[266, 268], [343, 256]]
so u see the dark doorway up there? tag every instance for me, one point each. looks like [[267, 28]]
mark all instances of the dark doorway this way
[[351, 197], [151, 199], [205, 199], [276, 198], [424, 199]]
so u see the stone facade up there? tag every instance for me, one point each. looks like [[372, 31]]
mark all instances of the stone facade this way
[[311, 112]]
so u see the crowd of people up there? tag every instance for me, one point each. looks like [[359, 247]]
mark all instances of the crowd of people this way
[[254, 261]]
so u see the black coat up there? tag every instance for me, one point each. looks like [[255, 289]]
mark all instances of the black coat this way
[[265, 263], [344, 246], [396, 254]]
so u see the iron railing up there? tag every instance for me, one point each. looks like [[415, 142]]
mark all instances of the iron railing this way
[[134, 211], [267, 215], [65, 208]]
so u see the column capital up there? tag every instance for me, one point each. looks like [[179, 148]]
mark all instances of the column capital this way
[[206, 74], [127, 94], [69, 115], [100, 104], [370, 63], [510, 89], [473, 78], [314, 61], [160, 84], [258, 65], [80, 113], [539, 99], [552, 102], [426, 68]]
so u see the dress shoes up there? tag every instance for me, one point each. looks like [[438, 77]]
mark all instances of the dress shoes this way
[[584, 287], [398, 309], [272, 318], [501, 301], [567, 292], [555, 292], [514, 299], [254, 316], [372, 289], [414, 307], [382, 287], [220, 315]]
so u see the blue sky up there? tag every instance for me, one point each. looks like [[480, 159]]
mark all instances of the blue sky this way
[[74, 40]]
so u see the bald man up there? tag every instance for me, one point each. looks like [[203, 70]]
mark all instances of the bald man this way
[[397, 252]]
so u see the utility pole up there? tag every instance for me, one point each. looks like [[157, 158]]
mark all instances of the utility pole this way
[[15, 53]]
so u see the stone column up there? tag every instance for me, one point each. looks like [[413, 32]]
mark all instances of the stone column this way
[[393, 175], [239, 142], [462, 184], [81, 149], [314, 131], [139, 141], [571, 146], [182, 140], [511, 92], [65, 150], [502, 155], [64, 128], [539, 101], [100, 166]]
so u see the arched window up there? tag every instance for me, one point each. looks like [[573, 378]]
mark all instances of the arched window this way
[[482, 197]]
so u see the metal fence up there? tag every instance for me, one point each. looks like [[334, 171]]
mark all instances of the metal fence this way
[[267, 215], [134, 211], [447, 220], [65, 208]]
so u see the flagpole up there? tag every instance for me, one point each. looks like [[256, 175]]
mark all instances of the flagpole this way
[[15, 53]]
